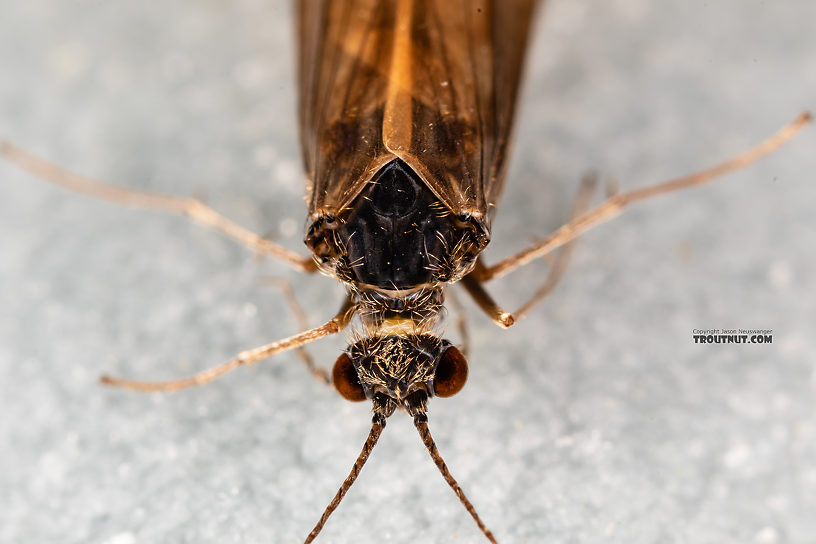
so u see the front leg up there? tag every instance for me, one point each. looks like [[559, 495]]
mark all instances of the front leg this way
[[617, 204], [473, 281]]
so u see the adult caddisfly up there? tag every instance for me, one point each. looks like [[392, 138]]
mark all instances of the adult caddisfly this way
[[406, 111]]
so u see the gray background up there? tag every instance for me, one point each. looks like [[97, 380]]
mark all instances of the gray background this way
[[595, 420]]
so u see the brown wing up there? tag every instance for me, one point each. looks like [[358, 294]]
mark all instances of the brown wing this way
[[432, 82]]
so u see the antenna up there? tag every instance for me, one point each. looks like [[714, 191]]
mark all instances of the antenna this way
[[377, 426], [421, 423]]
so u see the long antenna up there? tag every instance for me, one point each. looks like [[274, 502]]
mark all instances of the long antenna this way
[[377, 427], [421, 423]]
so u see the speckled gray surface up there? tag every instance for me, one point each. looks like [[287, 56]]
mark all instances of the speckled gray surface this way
[[595, 420]]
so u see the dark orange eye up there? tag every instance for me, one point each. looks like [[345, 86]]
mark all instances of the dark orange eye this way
[[451, 373], [345, 379]]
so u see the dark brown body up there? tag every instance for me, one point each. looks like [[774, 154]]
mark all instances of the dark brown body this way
[[406, 108], [421, 93]]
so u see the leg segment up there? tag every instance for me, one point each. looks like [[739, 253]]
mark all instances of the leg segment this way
[[245, 358], [614, 206], [486, 302], [300, 315], [582, 221], [191, 208], [559, 266], [460, 322]]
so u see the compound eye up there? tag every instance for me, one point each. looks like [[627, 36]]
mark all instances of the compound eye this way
[[451, 373], [345, 379]]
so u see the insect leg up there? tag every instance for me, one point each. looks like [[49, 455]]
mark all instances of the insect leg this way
[[562, 259], [615, 205], [486, 302], [191, 208], [245, 358], [300, 315], [559, 266], [460, 323]]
